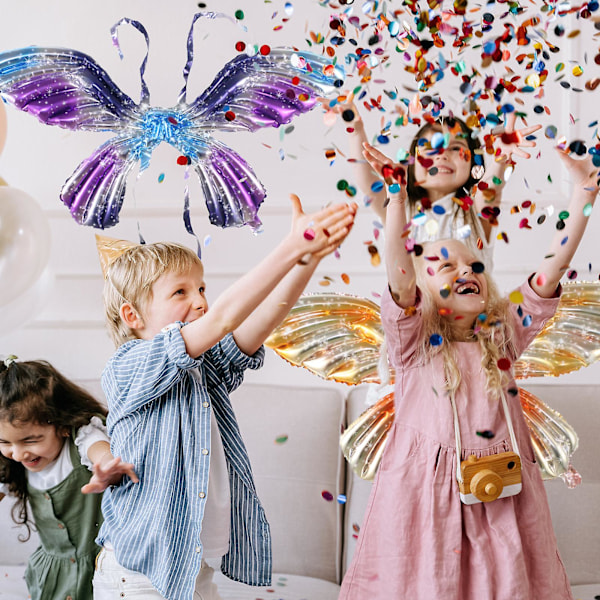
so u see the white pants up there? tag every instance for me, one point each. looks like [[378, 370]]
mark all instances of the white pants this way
[[114, 582]]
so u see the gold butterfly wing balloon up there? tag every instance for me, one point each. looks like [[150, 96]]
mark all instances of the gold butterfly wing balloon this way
[[338, 337]]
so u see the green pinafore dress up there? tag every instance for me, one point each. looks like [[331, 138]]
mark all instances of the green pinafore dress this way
[[67, 522]]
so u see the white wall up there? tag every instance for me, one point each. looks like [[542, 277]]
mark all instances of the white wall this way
[[68, 329]]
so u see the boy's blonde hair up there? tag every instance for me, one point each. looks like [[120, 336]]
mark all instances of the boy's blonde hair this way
[[495, 335], [131, 276]]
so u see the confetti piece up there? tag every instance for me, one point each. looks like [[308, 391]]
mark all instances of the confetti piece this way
[[281, 439], [436, 339], [516, 297], [486, 433], [327, 495], [161, 178], [375, 258], [503, 364]]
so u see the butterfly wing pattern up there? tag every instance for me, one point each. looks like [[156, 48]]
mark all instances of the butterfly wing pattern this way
[[338, 337], [69, 89]]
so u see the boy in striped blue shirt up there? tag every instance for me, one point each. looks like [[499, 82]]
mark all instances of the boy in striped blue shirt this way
[[167, 387]]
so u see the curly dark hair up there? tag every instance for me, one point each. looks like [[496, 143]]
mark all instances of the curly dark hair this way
[[417, 193], [35, 392]]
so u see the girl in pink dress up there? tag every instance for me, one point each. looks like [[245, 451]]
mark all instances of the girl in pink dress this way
[[452, 340]]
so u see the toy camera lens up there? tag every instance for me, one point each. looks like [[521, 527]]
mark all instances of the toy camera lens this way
[[511, 464]]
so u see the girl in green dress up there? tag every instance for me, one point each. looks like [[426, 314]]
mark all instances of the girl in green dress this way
[[53, 447]]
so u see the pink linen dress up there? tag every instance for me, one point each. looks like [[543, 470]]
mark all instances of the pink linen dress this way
[[418, 541]]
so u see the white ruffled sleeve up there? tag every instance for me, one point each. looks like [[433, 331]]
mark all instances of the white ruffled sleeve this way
[[4, 488], [88, 435]]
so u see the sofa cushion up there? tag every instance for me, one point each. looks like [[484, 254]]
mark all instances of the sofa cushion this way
[[575, 513], [292, 438], [12, 550], [284, 587]]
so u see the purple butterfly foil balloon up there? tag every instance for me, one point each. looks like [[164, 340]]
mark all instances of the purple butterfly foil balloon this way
[[69, 89]]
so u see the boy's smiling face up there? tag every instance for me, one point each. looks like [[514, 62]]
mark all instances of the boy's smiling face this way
[[174, 297]]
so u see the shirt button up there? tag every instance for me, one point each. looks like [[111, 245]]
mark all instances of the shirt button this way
[[72, 559], [198, 549], [47, 496], [61, 526], [202, 495], [69, 598], [205, 404], [204, 451]]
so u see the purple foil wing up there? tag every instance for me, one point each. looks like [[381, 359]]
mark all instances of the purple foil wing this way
[[251, 92], [94, 193], [232, 191], [65, 88]]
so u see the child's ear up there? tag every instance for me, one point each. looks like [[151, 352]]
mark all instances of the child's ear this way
[[130, 316]]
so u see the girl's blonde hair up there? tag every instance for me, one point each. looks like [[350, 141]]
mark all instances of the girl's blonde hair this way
[[131, 276], [494, 335]]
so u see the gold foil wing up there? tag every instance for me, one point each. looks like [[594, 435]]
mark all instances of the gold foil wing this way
[[338, 337], [571, 339], [553, 439], [335, 336]]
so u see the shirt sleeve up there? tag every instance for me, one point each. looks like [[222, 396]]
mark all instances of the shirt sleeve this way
[[231, 362], [87, 436], [403, 329], [531, 315], [4, 488], [141, 371]]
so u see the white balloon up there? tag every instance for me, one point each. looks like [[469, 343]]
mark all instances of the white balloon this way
[[19, 311], [24, 243]]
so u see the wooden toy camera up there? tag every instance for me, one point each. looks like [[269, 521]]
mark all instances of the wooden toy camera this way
[[490, 477]]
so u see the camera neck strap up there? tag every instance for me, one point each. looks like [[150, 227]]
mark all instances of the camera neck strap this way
[[511, 432]]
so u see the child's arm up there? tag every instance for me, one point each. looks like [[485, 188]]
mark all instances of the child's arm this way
[[107, 470], [310, 234], [509, 143], [565, 241], [357, 136], [252, 333], [398, 262]]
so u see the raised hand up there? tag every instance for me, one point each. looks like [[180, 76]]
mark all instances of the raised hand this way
[[511, 141], [108, 471], [347, 110], [584, 173], [320, 233], [391, 172]]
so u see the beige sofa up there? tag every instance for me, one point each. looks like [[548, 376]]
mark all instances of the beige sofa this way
[[315, 505]]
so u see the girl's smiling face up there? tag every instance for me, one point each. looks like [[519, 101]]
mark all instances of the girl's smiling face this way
[[33, 445], [454, 277], [444, 170]]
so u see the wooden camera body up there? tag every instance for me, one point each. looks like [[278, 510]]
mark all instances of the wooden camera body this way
[[490, 477]]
